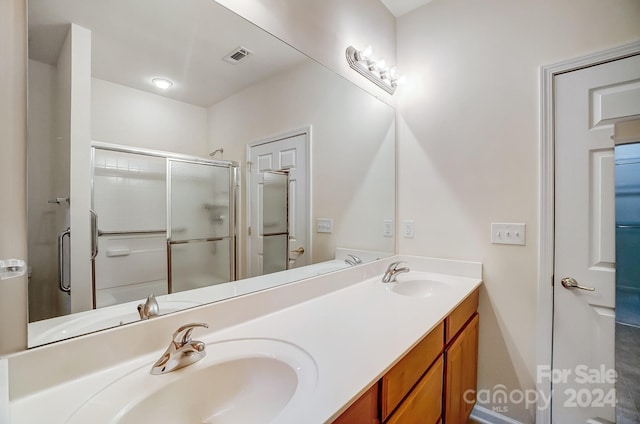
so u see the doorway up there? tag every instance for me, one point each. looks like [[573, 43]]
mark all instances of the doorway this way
[[576, 324], [287, 153]]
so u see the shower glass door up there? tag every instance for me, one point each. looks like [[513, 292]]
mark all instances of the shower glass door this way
[[200, 240], [275, 221], [129, 197]]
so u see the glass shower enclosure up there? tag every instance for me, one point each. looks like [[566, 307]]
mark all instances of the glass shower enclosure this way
[[164, 223]]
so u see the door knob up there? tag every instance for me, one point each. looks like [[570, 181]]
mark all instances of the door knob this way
[[299, 250], [571, 283]]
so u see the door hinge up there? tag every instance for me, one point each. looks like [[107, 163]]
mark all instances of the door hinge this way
[[249, 166], [249, 231]]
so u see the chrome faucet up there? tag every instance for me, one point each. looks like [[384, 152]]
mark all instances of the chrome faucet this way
[[182, 351], [149, 309], [392, 272], [353, 260]]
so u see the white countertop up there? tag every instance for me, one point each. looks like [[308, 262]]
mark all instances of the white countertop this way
[[354, 334]]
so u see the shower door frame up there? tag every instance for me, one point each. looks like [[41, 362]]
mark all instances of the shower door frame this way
[[232, 169], [168, 156]]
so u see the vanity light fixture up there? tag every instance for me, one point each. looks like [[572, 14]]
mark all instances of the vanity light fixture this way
[[162, 83], [375, 71]]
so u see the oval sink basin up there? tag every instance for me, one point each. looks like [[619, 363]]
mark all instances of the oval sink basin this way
[[418, 288], [239, 381]]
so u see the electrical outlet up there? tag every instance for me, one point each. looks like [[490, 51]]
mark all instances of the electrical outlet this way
[[324, 225], [508, 233], [407, 229], [387, 228]]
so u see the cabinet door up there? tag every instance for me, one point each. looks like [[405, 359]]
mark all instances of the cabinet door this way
[[363, 411], [461, 374], [424, 404], [406, 373]]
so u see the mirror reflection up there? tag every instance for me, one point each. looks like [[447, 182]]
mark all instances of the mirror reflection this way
[[249, 166]]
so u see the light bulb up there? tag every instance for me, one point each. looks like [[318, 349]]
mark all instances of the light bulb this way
[[162, 83], [398, 80], [366, 52]]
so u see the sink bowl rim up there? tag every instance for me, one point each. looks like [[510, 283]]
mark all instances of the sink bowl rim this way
[[417, 286], [298, 359]]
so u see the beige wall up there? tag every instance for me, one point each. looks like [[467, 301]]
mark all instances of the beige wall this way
[[13, 226], [468, 133]]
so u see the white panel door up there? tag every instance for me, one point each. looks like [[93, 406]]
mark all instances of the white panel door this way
[[587, 103], [287, 153]]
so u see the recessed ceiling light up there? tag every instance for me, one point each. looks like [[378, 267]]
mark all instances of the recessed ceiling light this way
[[162, 83]]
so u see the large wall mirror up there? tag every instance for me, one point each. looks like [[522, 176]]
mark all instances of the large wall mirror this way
[[256, 167]]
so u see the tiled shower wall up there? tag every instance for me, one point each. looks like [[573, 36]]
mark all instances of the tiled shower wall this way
[[130, 194]]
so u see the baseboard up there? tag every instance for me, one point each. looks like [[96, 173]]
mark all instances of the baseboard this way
[[487, 416]]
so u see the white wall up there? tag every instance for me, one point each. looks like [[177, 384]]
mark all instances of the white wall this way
[[74, 76], [124, 115], [468, 147], [324, 29], [352, 151], [48, 180]]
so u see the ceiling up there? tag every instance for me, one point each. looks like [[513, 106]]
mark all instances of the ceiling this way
[[183, 41], [400, 7], [133, 42]]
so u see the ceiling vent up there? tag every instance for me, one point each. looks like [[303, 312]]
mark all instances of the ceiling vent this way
[[237, 55]]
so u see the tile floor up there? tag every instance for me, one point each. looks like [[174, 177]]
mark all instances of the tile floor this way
[[628, 367]]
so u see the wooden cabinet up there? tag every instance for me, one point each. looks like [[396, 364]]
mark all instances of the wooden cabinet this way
[[429, 384], [461, 374], [396, 383], [363, 411], [423, 405], [461, 315]]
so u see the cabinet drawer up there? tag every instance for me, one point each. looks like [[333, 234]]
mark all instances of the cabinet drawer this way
[[459, 317], [424, 403], [405, 374]]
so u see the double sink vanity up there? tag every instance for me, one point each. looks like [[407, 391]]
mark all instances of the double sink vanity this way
[[343, 347]]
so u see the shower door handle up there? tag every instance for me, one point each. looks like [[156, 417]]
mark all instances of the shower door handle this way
[[65, 234], [94, 234]]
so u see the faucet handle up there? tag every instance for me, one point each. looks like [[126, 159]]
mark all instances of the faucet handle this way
[[394, 265], [182, 335], [355, 258], [150, 308]]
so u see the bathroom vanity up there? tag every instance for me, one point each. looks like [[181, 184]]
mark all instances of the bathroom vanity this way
[[342, 347], [436, 379]]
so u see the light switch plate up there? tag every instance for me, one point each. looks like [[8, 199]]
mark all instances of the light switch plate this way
[[324, 225], [508, 233], [387, 228]]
